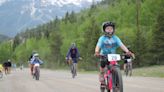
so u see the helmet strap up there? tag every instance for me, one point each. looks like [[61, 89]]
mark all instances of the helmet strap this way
[[109, 34]]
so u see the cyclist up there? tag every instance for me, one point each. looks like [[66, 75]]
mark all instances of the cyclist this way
[[9, 64], [35, 60], [30, 61], [126, 57], [5, 66], [1, 67], [73, 54], [107, 44]]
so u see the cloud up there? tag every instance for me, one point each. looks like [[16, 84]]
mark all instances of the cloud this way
[[3, 1]]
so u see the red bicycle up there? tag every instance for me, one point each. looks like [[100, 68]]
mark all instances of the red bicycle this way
[[112, 76]]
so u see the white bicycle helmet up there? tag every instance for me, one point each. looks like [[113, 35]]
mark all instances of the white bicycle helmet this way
[[36, 55]]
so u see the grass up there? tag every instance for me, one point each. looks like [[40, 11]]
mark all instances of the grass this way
[[153, 71]]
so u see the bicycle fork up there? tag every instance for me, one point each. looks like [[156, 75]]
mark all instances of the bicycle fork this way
[[108, 80]]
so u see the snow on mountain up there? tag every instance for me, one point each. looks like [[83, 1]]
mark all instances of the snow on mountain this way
[[17, 15]]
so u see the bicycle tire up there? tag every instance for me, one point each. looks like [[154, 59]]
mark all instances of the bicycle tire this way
[[130, 69], [117, 80], [102, 89], [37, 73], [127, 70], [73, 71]]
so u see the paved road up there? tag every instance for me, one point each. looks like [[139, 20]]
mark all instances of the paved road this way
[[61, 81]]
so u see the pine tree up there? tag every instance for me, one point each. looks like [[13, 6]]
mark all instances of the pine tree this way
[[56, 43], [158, 38], [72, 17], [140, 48], [91, 37]]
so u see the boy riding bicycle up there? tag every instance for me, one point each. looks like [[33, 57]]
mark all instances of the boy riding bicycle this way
[[107, 44]]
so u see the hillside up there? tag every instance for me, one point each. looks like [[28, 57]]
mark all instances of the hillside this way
[[3, 38], [17, 15]]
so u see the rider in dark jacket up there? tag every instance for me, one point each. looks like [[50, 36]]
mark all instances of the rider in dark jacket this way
[[73, 53]]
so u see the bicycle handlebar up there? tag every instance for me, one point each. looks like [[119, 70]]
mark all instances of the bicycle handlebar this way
[[105, 56]]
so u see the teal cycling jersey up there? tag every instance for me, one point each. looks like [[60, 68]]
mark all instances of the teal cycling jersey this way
[[108, 45]]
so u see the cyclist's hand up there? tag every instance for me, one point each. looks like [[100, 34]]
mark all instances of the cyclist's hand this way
[[133, 56], [66, 60], [129, 53], [80, 58], [97, 54]]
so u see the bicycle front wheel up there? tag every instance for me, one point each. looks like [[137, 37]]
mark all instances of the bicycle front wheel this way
[[127, 70], [117, 80], [74, 70]]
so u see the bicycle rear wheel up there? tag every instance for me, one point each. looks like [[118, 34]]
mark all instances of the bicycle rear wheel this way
[[37, 73], [117, 80]]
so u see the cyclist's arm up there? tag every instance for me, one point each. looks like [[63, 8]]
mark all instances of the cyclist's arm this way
[[133, 56], [40, 61], [99, 45], [97, 49], [124, 48], [68, 53], [121, 45]]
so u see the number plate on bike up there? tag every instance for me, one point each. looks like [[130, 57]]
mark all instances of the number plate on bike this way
[[129, 60], [36, 64], [114, 57]]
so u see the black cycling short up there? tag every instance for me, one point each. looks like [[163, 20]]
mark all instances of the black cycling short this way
[[103, 62], [125, 61]]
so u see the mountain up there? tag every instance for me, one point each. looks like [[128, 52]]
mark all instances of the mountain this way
[[3, 38], [17, 15]]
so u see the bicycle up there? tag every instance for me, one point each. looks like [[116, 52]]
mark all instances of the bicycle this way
[[112, 76], [36, 73], [73, 70], [128, 67], [73, 66]]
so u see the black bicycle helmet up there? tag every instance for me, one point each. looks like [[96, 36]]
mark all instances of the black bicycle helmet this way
[[108, 23]]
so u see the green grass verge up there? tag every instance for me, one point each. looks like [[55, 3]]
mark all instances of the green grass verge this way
[[153, 71]]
